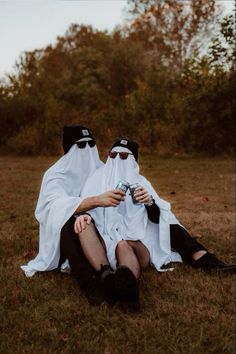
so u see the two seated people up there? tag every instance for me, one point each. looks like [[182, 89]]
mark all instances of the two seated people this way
[[108, 234]]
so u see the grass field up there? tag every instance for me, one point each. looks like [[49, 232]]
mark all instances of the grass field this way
[[184, 311]]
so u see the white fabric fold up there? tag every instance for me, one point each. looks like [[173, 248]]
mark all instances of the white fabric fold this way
[[58, 200], [129, 221]]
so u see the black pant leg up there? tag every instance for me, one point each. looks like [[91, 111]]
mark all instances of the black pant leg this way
[[183, 243], [71, 249]]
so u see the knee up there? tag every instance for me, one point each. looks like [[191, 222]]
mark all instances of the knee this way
[[131, 243], [142, 253], [123, 246], [88, 229]]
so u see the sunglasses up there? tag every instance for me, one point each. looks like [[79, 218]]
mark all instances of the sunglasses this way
[[82, 144], [123, 155]]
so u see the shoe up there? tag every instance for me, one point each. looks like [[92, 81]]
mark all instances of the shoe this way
[[93, 290], [107, 277], [127, 288], [209, 262]]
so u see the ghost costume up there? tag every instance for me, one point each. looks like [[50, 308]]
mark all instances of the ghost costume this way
[[129, 221], [59, 197]]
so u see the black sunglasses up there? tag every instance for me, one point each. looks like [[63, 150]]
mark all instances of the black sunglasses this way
[[123, 155], [82, 144]]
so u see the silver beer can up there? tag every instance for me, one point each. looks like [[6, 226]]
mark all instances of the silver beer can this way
[[123, 185], [132, 188]]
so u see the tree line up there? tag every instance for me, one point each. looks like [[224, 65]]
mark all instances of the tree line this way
[[165, 78]]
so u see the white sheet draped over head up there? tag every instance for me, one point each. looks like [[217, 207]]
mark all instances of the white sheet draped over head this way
[[60, 196], [129, 221]]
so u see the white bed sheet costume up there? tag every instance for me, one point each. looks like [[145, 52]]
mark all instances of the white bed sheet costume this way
[[129, 221], [60, 196]]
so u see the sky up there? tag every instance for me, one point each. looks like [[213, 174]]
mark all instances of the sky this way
[[27, 25]]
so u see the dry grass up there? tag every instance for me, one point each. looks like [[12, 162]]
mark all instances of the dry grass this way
[[184, 311]]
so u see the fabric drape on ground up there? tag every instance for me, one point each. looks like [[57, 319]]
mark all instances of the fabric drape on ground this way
[[58, 200]]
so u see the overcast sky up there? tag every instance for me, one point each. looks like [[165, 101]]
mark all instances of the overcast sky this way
[[27, 25]]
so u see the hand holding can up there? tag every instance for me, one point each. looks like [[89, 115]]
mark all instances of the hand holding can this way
[[133, 187], [123, 186]]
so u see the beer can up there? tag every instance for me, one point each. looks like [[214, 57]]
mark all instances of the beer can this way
[[132, 188], [123, 185]]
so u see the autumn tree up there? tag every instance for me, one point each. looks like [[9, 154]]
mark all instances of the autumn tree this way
[[153, 80], [171, 29]]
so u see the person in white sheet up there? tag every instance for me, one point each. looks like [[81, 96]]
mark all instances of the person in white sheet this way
[[60, 198], [135, 234], [129, 222]]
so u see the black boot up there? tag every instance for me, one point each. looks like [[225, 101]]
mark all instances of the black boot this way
[[107, 277], [93, 290], [127, 289], [209, 262]]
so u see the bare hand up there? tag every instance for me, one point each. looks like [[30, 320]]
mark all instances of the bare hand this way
[[111, 198], [142, 195], [81, 222]]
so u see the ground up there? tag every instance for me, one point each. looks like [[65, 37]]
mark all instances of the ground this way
[[184, 311]]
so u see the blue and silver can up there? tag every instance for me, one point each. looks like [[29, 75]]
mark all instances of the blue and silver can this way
[[123, 185], [132, 188]]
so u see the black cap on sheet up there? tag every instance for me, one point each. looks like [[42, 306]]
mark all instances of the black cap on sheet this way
[[72, 133], [127, 143]]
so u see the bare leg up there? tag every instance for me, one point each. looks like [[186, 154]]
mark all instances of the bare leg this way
[[197, 255], [92, 247], [126, 257], [141, 252]]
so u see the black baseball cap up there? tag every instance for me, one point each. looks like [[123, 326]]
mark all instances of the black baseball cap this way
[[72, 133], [127, 143]]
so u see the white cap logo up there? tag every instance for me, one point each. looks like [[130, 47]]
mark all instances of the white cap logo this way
[[124, 142], [85, 132]]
